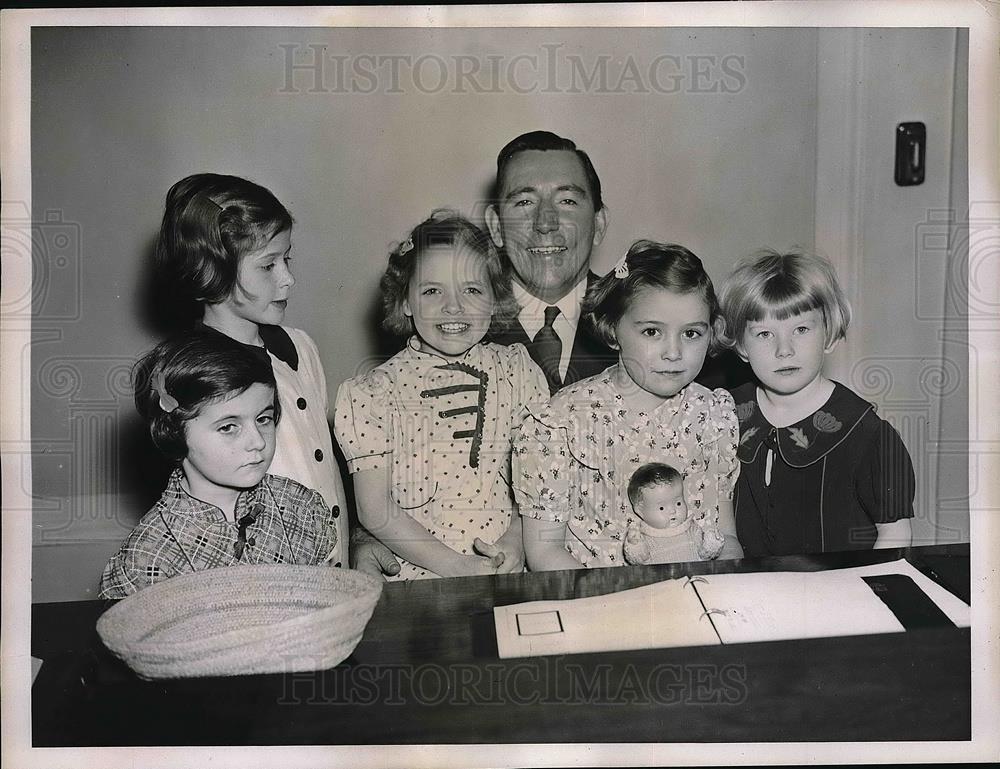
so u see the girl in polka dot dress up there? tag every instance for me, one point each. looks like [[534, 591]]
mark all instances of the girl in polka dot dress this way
[[427, 434]]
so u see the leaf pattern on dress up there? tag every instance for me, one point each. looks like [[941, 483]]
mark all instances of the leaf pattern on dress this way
[[748, 434], [798, 437]]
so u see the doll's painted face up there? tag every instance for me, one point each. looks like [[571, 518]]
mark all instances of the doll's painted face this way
[[662, 505]]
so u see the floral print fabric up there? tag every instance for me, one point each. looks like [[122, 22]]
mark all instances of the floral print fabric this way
[[573, 459]]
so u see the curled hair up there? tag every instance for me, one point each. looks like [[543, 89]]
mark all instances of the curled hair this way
[[198, 368], [210, 222], [443, 228], [651, 474], [650, 265], [770, 283], [545, 141]]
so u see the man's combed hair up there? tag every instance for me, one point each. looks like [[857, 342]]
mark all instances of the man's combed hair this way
[[443, 227], [546, 141], [770, 283], [651, 474], [196, 369], [651, 265], [210, 222]]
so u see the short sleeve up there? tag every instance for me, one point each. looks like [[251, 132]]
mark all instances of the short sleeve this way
[[885, 484], [362, 417], [725, 429], [541, 467], [323, 526], [531, 392]]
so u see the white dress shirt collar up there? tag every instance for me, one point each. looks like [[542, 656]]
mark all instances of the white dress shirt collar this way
[[532, 317]]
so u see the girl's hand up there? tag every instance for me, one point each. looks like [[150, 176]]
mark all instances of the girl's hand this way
[[468, 566], [731, 548], [494, 553], [544, 545], [371, 556], [510, 546]]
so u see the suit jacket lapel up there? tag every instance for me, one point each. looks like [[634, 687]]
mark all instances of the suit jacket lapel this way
[[590, 354], [507, 332]]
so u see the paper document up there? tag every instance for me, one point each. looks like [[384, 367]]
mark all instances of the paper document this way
[[664, 614], [713, 609]]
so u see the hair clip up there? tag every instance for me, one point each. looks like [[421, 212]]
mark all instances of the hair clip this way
[[406, 247], [167, 401], [621, 269]]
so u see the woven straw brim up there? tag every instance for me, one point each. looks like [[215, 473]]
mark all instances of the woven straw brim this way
[[241, 620]]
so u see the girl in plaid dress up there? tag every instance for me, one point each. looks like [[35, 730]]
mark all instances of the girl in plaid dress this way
[[224, 254], [213, 409]]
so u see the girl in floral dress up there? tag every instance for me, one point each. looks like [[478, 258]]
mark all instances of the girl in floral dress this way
[[427, 433], [820, 471], [574, 457]]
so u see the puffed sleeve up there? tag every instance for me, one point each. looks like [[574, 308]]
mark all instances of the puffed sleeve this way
[[725, 428], [541, 467], [362, 421], [531, 392], [885, 484]]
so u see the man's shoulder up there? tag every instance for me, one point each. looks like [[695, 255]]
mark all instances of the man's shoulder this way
[[506, 331]]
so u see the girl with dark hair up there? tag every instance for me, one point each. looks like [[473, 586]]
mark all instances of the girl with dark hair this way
[[224, 252], [573, 459], [212, 409]]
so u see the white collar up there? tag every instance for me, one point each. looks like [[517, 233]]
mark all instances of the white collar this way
[[532, 314]]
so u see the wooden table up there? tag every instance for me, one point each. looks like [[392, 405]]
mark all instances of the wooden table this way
[[427, 672]]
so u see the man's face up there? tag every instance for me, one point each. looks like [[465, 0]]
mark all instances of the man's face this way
[[545, 220]]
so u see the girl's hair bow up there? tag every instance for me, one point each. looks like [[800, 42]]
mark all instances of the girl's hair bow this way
[[621, 269], [167, 401]]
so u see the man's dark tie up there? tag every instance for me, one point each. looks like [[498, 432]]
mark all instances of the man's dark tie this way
[[546, 350]]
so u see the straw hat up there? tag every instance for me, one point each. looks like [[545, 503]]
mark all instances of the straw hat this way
[[242, 619]]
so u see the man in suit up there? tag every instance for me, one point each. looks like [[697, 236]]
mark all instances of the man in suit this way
[[546, 217]]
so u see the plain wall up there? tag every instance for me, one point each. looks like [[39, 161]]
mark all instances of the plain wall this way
[[901, 251], [119, 114]]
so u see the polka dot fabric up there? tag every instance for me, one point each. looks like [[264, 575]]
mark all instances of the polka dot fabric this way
[[442, 427]]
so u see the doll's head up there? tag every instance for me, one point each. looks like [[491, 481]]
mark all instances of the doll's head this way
[[656, 492]]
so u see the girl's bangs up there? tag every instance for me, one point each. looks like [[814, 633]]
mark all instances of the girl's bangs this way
[[782, 303]]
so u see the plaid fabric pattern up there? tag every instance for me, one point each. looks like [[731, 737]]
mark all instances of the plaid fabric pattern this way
[[180, 534]]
